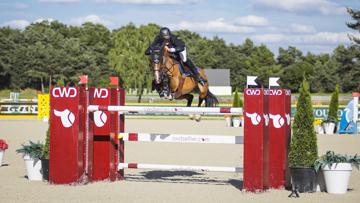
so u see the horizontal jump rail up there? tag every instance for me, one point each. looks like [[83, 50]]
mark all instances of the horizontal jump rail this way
[[181, 138], [180, 167], [172, 110]]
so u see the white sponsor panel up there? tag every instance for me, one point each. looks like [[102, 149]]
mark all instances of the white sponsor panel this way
[[220, 90]]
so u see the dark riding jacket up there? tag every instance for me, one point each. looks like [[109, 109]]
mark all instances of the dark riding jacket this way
[[175, 42]]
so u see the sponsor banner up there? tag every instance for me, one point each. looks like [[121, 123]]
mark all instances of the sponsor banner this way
[[18, 109], [321, 112]]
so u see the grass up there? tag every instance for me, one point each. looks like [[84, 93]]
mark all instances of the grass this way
[[24, 94]]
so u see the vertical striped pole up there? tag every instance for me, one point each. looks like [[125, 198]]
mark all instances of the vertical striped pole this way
[[121, 130]]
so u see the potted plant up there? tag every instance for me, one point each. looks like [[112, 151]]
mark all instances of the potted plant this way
[[318, 126], [331, 121], [237, 103], [3, 146], [32, 154], [303, 146], [45, 156], [336, 169], [329, 124]]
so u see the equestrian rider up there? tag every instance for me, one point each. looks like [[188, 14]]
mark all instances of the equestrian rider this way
[[176, 46]]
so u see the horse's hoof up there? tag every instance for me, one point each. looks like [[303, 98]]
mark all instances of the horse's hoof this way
[[191, 116], [197, 118]]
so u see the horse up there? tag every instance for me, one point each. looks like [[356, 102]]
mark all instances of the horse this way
[[167, 74]]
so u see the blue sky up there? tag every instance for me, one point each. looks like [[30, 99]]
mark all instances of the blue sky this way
[[317, 26]]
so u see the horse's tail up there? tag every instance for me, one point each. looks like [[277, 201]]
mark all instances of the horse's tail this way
[[211, 100]]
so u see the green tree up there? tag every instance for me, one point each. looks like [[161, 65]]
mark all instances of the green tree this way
[[334, 104], [289, 56], [325, 75], [303, 147], [355, 15], [294, 74], [128, 59], [348, 67], [11, 52]]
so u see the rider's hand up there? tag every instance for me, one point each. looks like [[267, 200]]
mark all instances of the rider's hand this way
[[171, 50]]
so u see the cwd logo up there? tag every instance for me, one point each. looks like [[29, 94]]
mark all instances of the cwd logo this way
[[287, 92], [254, 117], [288, 118], [252, 92], [278, 121], [266, 119], [66, 116], [101, 93], [64, 92], [100, 118], [275, 92]]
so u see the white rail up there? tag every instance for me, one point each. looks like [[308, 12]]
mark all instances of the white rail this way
[[180, 167], [171, 110], [181, 138]]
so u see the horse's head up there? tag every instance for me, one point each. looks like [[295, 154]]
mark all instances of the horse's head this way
[[156, 62]]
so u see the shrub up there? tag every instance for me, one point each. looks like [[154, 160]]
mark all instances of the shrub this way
[[303, 147], [334, 105], [237, 102], [45, 151]]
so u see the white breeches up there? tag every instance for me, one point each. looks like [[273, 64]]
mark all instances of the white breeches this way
[[183, 55]]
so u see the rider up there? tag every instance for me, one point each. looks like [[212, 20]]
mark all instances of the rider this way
[[176, 46]]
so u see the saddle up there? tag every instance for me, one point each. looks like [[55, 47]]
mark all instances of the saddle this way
[[185, 71]]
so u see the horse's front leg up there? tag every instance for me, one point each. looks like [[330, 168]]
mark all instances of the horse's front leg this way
[[189, 98]]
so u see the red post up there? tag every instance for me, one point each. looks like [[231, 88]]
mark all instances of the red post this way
[[255, 140], [122, 129], [287, 136], [279, 135], [66, 143], [99, 123]]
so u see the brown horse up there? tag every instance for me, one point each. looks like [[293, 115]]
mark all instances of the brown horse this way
[[165, 67]]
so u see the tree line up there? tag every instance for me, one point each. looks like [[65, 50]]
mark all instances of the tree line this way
[[44, 53]]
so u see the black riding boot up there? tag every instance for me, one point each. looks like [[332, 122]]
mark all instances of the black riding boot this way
[[193, 70]]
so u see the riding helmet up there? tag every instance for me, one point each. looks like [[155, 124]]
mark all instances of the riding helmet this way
[[165, 33]]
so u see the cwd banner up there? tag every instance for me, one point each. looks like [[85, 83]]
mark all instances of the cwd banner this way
[[66, 144], [279, 135], [104, 140], [256, 152]]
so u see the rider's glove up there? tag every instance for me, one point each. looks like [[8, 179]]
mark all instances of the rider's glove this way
[[172, 50]]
